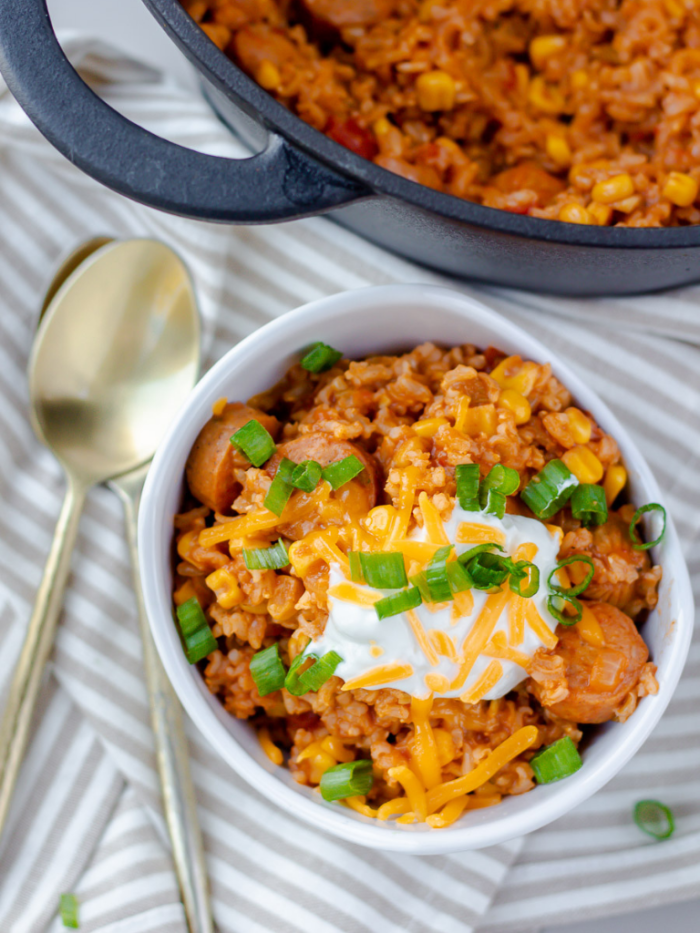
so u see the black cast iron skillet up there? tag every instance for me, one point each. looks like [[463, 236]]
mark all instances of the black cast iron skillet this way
[[300, 172]]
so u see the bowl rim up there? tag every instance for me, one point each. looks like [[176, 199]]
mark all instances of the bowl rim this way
[[340, 821], [232, 81]]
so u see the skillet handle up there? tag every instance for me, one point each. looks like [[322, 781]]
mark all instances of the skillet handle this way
[[279, 183]]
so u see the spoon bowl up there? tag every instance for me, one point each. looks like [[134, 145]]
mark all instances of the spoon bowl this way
[[114, 357]]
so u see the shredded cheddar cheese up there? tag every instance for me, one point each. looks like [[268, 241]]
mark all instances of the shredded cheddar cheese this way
[[589, 628], [412, 788], [462, 413], [527, 551], [421, 637], [487, 681], [443, 644], [268, 746], [393, 808], [384, 674], [516, 619], [513, 746], [424, 752], [479, 635], [475, 533], [462, 605], [539, 626], [359, 805], [498, 647], [432, 522], [351, 593], [438, 683], [449, 813]]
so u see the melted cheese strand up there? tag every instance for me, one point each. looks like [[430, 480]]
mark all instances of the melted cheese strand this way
[[424, 752], [539, 626], [485, 770], [359, 805], [412, 787], [487, 681], [384, 674], [394, 807], [421, 637], [449, 813], [268, 746], [480, 634]]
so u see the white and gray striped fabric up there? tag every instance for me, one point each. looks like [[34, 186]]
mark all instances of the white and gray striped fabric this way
[[86, 817]]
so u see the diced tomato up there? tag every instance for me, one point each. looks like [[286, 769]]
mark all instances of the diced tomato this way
[[351, 135]]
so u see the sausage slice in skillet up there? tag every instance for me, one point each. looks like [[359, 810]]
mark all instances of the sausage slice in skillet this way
[[213, 458]]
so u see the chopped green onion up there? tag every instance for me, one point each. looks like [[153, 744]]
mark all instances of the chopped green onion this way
[[421, 584], [550, 490], [266, 558], [320, 358], [467, 479], [314, 677], [199, 641], [488, 570], [349, 779], [255, 442], [478, 549], [267, 670], [436, 576], [398, 602], [292, 682], [578, 588], [68, 909], [306, 475], [525, 569], [556, 604], [355, 567], [383, 570], [558, 760], [342, 471], [588, 504], [654, 818], [459, 577], [636, 543], [281, 487], [500, 482]]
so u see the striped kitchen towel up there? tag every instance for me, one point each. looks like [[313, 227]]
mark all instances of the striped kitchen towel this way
[[86, 817]]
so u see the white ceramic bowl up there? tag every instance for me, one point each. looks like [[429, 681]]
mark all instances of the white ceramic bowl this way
[[382, 320]]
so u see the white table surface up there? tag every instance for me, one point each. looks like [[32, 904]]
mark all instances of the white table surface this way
[[127, 24]]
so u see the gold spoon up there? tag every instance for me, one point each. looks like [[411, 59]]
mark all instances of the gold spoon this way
[[114, 357]]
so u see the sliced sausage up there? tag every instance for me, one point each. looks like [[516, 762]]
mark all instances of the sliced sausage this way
[[260, 43], [326, 450], [342, 13], [599, 678], [213, 458]]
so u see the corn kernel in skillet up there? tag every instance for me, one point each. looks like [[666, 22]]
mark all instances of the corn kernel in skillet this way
[[614, 482], [680, 189], [613, 189], [268, 76], [573, 213], [580, 425], [545, 97], [558, 150], [543, 48], [601, 213], [435, 90]]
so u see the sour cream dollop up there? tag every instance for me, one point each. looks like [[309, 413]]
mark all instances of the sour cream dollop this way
[[365, 642]]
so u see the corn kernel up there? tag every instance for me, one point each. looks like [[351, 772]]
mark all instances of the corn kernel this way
[[512, 373], [218, 406], [429, 427], [573, 213], [613, 189], [462, 412], [627, 205], [381, 126], [225, 586], [584, 464], [545, 97], [435, 90], [268, 76], [480, 420], [589, 628], [579, 425], [614, 482], [601, 213], [558, 150], [696, 88], [579, 79], [516, 403], [542, 48], [522, 78], [680, 189], [186, 543]]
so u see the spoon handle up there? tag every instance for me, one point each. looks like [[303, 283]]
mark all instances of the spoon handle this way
[[171, 744], [27, 680]]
